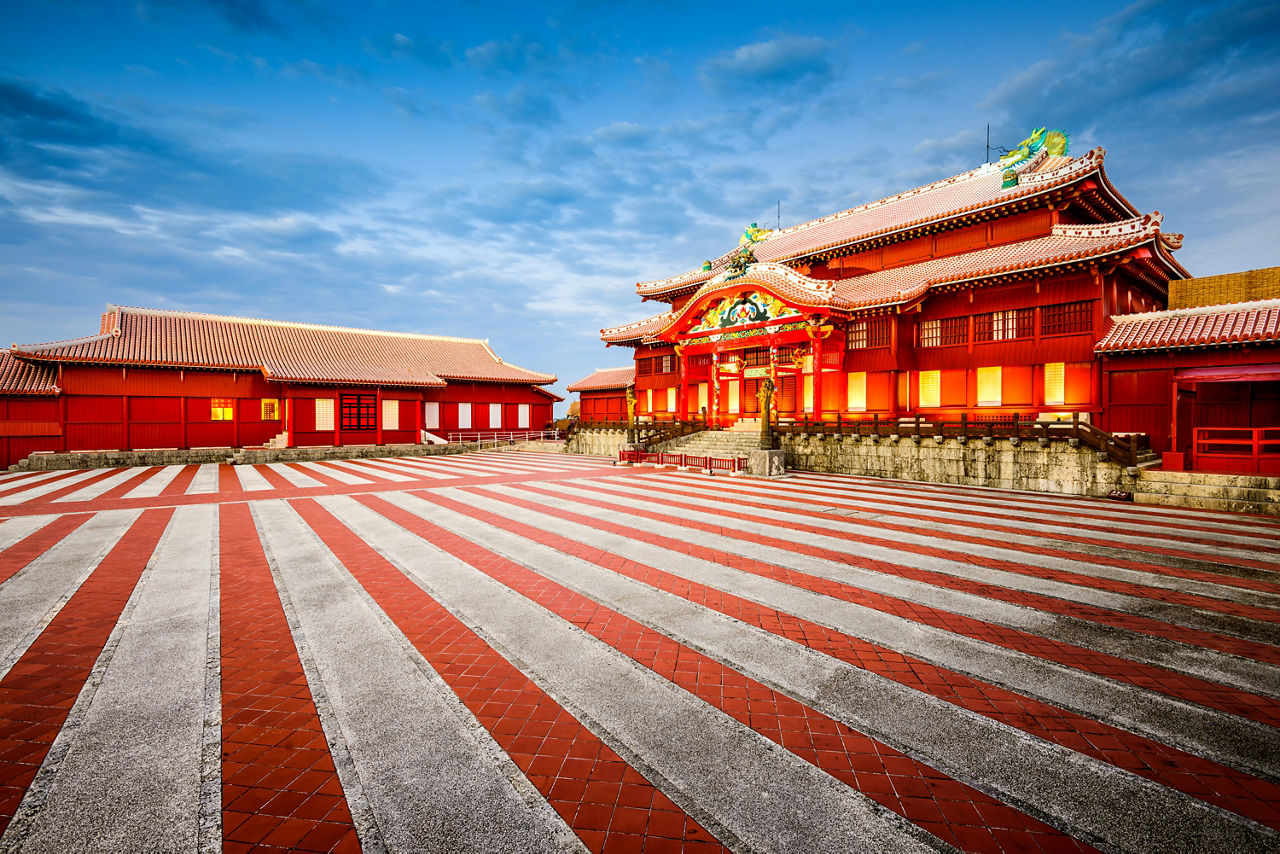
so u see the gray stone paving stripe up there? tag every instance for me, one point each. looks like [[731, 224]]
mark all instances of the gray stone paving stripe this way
[[251, 480], [469, 464], [12, 480], [337, 474], [1169, 612], [129, 777], [154, 485], [205, 481], [855, 527], [1074, 504], [390, 464], [13, 531], [292, 475], [44, 488], [33, 597], [430, 773], [210, 833], [93, 490], [1225, 738], [782, 494], [1076, 793], [420, 468], [741, 786], [911, 501]]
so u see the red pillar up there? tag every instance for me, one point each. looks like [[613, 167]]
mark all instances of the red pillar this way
[[378, 418]]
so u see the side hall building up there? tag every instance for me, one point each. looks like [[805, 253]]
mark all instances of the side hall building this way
[[156, 379], [985, 295]]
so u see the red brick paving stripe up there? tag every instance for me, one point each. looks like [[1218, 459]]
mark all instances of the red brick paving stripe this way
[[894, 508], [279, 784], [1201, 778], [947, 808], [38, 692], [609, 804], [23, 552], [75, 487], [1193, 600], [132, 483], [228, 482], [12, 489], [278, 481], [1131, 622], [1252, 706], [325, 479], [180, 484]]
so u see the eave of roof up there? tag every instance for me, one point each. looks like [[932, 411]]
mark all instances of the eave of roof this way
[[606, 378], [23, 378], [1246, 323]]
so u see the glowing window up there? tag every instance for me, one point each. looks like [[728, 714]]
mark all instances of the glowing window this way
[[808, 393], [858, 392], [324, 413], [222, 409], [270, 409], [671, 399], [390, 415], [1055, 383], [989, 386], [930, 388]]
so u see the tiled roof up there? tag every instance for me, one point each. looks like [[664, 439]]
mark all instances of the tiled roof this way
[[971, 191], [1207, 326], [289, 352], [18, 377], [1067, 244], [606, 378], [636, 331]]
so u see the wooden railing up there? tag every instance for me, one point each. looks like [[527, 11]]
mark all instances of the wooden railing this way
[[1124, 450], [694, 461], [1243, 450]]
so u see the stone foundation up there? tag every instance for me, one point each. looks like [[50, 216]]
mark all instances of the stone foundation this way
[[235, 456], [605, 443], [1004, 463]]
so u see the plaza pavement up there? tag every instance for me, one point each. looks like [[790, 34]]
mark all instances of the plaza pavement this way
[[522, 652]]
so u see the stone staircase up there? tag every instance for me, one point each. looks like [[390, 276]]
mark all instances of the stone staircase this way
[[722, 444], [1235, 493]]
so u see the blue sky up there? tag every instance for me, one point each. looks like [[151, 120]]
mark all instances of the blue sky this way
[[510, 171]]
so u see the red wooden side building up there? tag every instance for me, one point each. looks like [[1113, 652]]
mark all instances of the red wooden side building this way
[[153, 379], [982, 295], [602, 397]]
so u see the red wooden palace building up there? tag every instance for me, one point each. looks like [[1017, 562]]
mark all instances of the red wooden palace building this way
[[602, 396], [155, 379], [984, 294]]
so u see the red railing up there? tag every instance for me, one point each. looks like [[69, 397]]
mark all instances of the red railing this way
[[1241, 450], [711, 464]]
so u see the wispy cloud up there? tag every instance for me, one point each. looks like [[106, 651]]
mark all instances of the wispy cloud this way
[[770, 67]]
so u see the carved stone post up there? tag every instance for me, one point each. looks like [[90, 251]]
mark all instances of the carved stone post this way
[[631, 415], [765, 395]]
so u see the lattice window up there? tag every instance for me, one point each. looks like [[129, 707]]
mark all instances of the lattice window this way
[[930, 389], [1066, 318], [324, 413], [644, 367], [701, 360], [944, 332], [756, 357], [1004, 325], [868, 334], [270, 409], [390, 415], [358, 411], [222, 409]]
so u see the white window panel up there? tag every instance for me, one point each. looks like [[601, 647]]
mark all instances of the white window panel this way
[[671, 399], [464, 416], [495, 415], [431, 415], [390, 415], [324, 413], [522, 414], [735, 403]]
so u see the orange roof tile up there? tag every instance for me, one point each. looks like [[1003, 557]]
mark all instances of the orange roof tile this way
[[287, 352], [606, 378], [1208, 326], [636, 331], [18, 377], [976, 190]]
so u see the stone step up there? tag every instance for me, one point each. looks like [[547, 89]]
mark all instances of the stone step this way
[[1224, 491], [1252, 481], [1226, 505]]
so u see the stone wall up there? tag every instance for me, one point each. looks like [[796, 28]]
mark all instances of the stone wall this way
[[1055, 467], [605, 443], [249, 456]]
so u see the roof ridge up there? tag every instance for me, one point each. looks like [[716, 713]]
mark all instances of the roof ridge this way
[[1123, 228], [165, 312], [1194, 311], [36, 348]]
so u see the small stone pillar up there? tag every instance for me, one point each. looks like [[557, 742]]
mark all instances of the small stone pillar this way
[[766, 463], [765, 396]]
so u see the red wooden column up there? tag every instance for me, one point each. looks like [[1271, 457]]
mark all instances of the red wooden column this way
[[288, 416], [337, 419], [377, 440]]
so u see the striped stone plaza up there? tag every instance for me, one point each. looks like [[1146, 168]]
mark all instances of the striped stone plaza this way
[[525, 652]]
